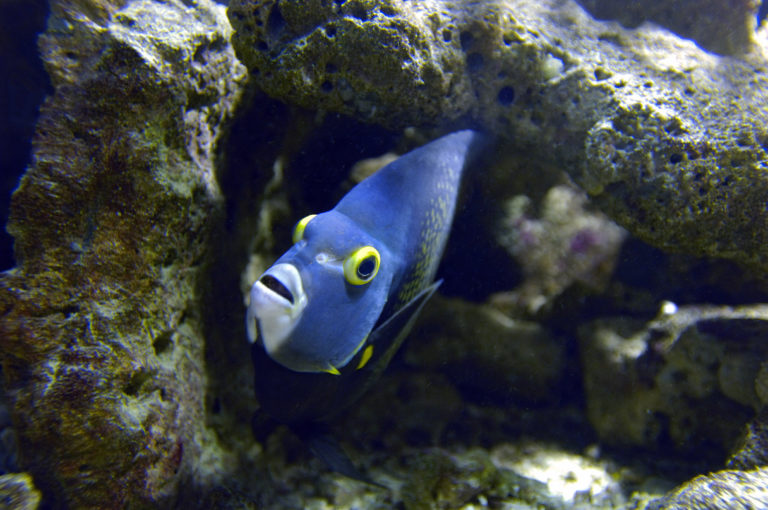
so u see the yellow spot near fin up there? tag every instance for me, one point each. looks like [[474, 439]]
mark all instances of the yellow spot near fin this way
[[367, 353], [332, 370]]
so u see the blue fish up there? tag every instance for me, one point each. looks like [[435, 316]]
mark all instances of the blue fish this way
[[327, 317]]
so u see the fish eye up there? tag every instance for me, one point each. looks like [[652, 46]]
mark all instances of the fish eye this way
[[298, 230], [362, 265]]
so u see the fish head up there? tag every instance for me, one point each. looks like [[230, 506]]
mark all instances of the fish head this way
[[314, 308]]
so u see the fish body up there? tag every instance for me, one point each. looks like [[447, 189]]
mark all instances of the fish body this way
[[328, 316]]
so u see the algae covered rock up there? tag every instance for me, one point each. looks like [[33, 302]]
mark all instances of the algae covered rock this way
[[719, 491], [441, 481], [100, 332], [722, 27], [354, 57], [18, 492], [482, 351], [667, 138], [684, 380]]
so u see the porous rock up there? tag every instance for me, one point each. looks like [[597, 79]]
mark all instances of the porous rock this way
[[685, 380], [487, 353], [667, 138], [723, 490], [18, 492], [100, 329], [752, 450], [724, 27], [443, 480]]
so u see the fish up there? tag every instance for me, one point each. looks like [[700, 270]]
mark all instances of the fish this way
[[327, 317]]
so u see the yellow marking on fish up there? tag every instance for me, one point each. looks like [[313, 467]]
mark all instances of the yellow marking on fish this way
[[332, 370], [431, 237], [366, 357]]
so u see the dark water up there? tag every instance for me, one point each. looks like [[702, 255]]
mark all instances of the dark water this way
[[23, 88]]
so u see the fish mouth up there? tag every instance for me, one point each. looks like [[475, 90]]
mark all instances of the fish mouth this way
[[276, 286], [277, 301]]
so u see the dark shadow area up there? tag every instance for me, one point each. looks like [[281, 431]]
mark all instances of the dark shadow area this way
[[24, 86], [323, 163], [474, 264], [684, 279], [645, 276], [253, 143]]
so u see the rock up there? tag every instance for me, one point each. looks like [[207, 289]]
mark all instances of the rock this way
[[752, 450], [512, 475], [722, 27], [659, 132], [101, 337], [575, 479], [487, 353], [687, 378], [441, 480], [18, 492], [721, 490]]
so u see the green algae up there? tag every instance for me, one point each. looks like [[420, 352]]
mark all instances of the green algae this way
[[110, 224]]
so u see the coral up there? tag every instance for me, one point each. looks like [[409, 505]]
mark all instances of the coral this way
[[668, 139], [566, 244], [110, 222]]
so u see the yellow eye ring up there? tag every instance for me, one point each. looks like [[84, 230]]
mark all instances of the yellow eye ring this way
[[361, 267], [298, 230]]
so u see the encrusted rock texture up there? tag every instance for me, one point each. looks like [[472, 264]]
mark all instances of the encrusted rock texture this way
[[101, 344], [666, 137], [719, 491], [724, 28], [121, 337], [18, 492], [690, 377]]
